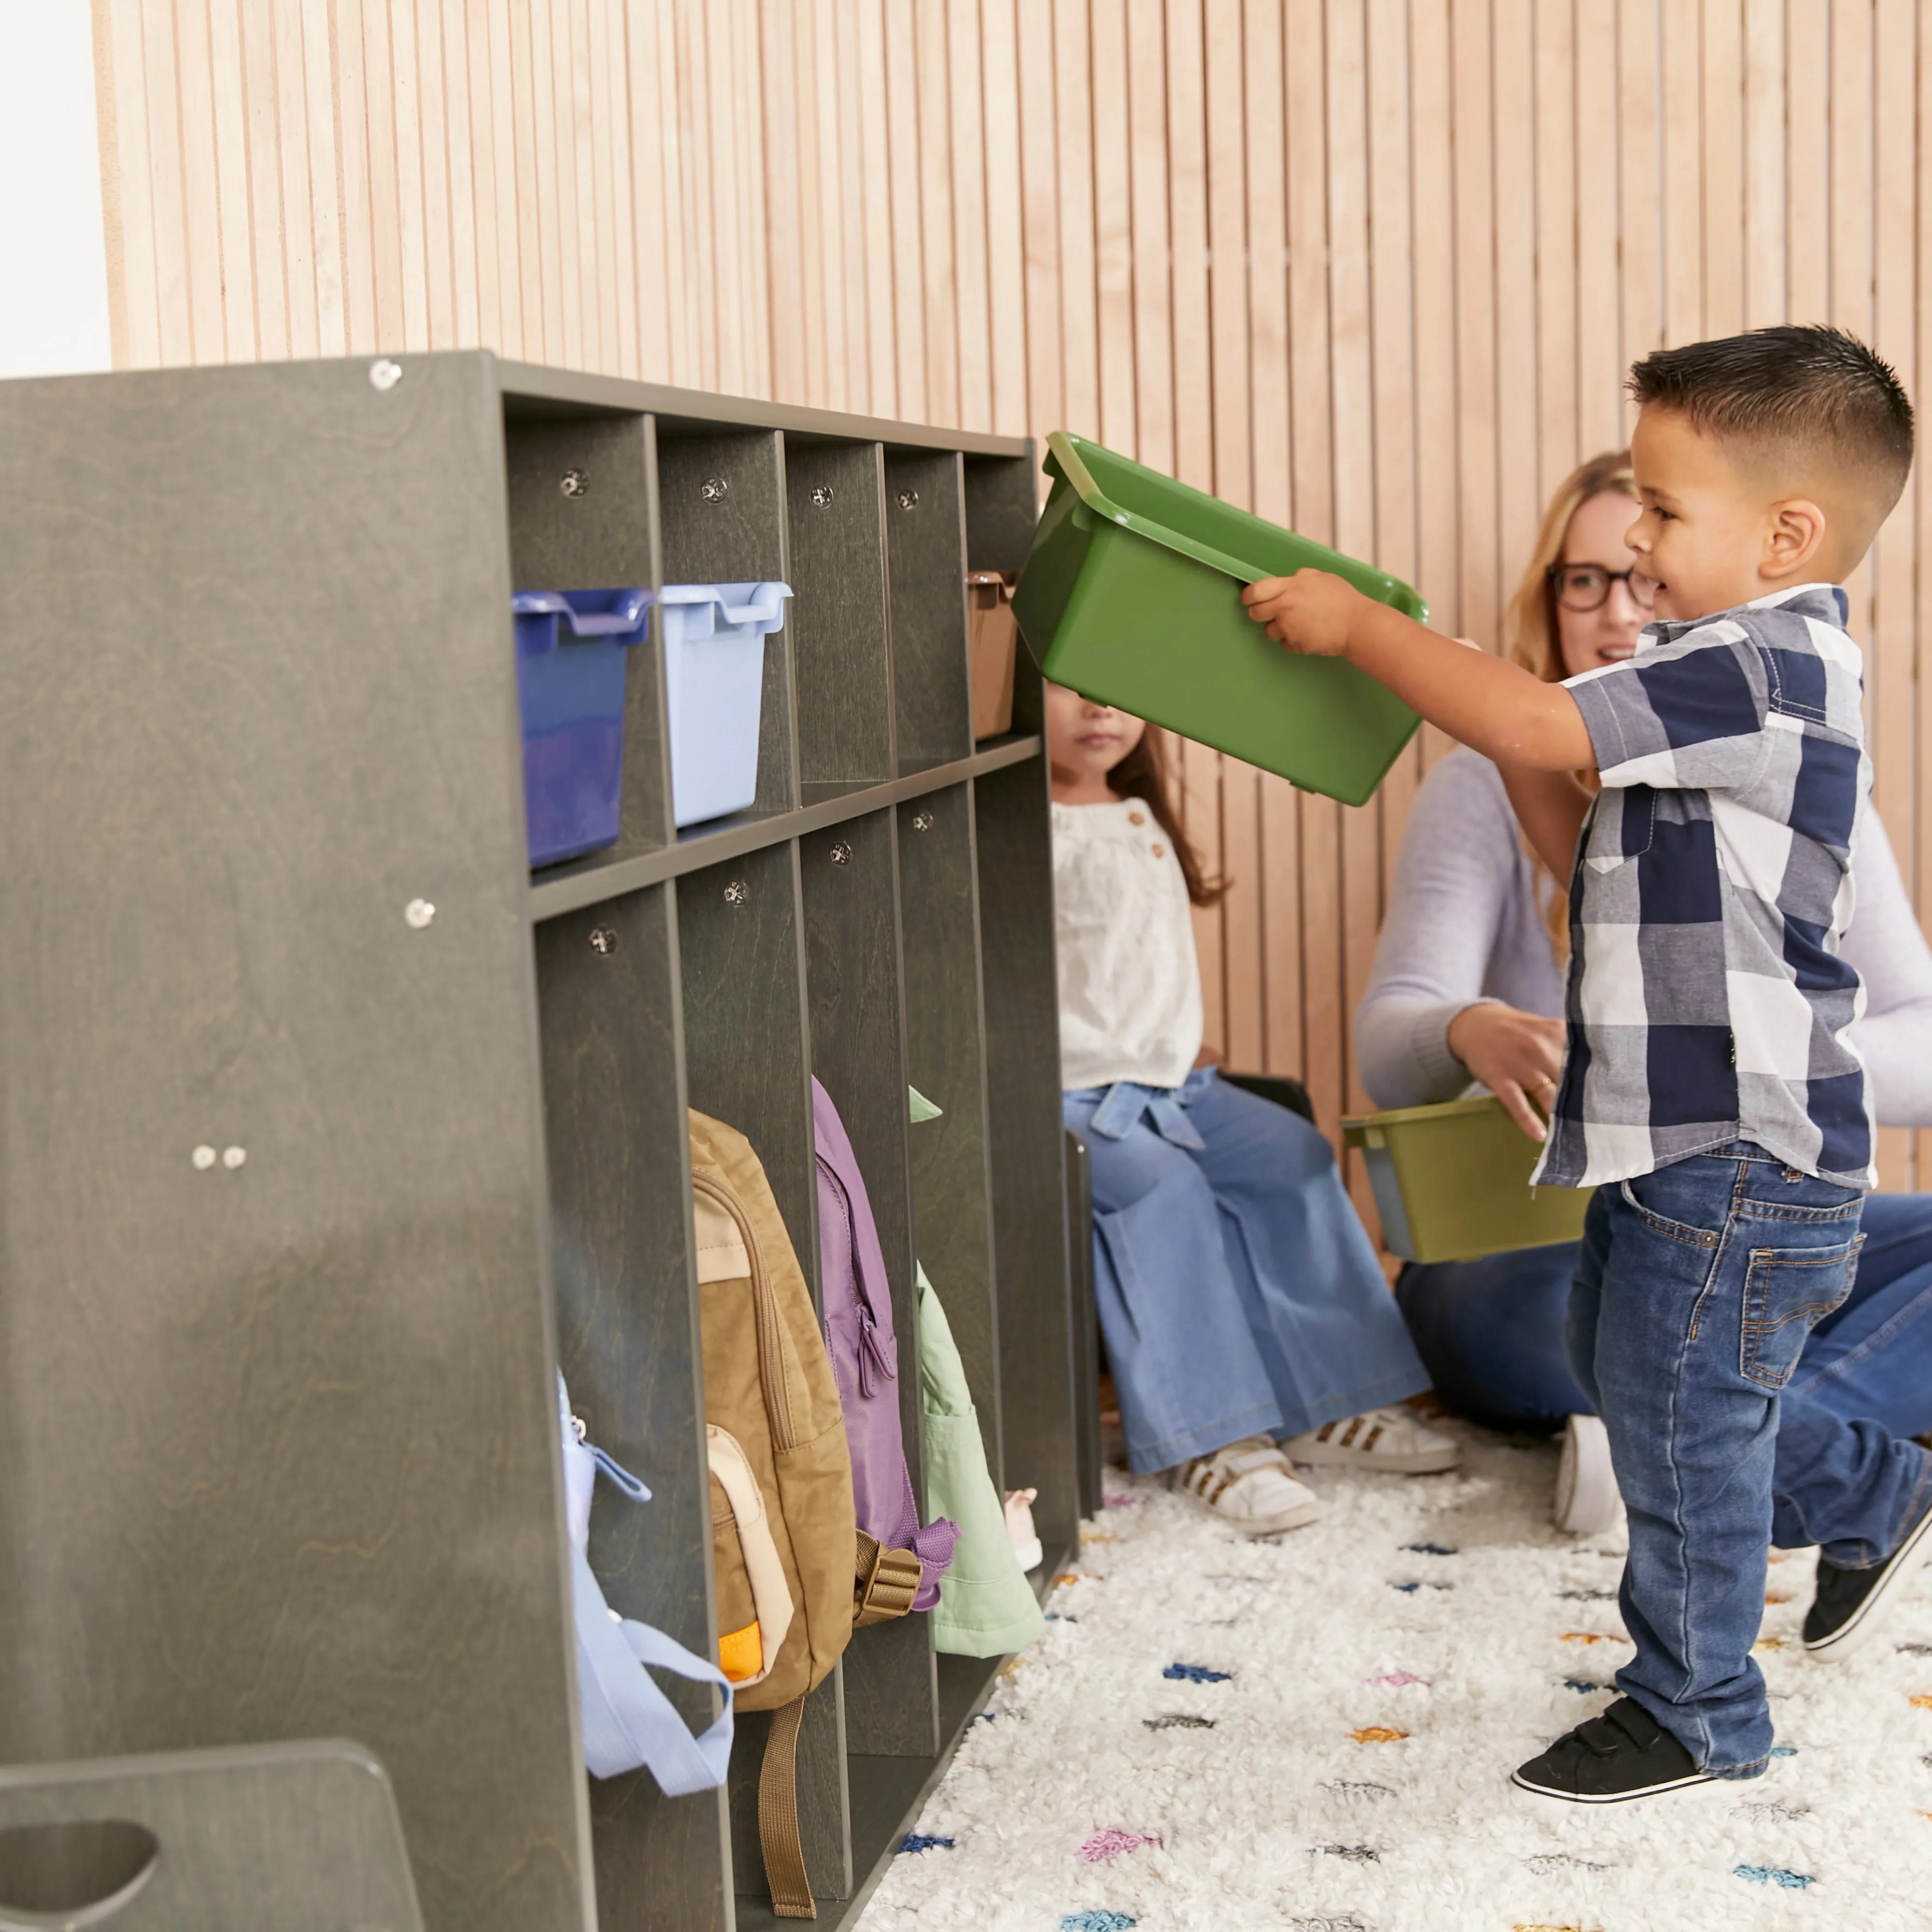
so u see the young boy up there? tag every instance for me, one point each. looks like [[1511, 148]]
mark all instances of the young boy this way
[[1708, 1093]]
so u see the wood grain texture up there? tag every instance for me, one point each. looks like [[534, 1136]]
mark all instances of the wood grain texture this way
[[312, 1482]]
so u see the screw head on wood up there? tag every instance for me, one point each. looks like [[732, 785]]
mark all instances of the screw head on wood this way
[[574, 483], [418, 913], [204, 1157], [907, 500], [841, 854], [234, 1157], [821, 494], [603, 941], [736, 892], [923, 821], [384, 375], [713, 488]]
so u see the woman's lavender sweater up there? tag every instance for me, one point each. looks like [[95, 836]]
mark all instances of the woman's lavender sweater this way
[[1464, 925]]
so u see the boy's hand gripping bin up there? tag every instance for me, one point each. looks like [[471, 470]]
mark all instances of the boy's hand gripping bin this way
[[570, 680], [1452, 1182], [1132, 596]]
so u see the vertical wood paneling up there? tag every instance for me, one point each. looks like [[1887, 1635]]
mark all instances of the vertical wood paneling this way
[[1373, 268]]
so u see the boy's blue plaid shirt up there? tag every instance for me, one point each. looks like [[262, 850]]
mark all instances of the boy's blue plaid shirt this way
[[1707, 1002]]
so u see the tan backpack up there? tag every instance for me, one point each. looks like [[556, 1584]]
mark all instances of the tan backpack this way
[[793, 1576]]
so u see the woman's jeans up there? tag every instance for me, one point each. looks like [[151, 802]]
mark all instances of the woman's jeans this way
[[1491, 1334], [1237, 1293], [1697, 1287]]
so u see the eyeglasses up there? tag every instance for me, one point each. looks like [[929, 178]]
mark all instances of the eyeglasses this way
[[1586, 586]]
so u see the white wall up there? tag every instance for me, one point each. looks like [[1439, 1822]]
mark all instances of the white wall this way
[[53, 257]]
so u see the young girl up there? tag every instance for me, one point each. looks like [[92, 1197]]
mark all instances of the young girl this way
[[1246, 1319]]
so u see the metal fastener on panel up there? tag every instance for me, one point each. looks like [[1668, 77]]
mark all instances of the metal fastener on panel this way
[[821, 494], [418, 913], [841, 854], [907, 500], [234, 1157], [712, 489], [204, 1157], [736, 892], [603, 940], [574, 483], [923, 821], [384, 375]]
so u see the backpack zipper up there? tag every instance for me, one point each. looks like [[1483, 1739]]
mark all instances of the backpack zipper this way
[[771, 1377], [873, 1360]]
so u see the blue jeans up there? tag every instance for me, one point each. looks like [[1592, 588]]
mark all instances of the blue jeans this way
[[1696, 1288], [1238, 1294], [1491, 1334]]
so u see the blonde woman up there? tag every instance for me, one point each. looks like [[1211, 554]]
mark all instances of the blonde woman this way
[[1466, 988]]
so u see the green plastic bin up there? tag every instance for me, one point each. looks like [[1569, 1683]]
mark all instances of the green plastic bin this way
[[1453, 1182], [1132, 595]]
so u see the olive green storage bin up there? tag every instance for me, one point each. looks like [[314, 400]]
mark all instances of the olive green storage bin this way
[[1453, 1182], [1132, 595]]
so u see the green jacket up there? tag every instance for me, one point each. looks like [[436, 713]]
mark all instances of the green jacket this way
[[986, 1605]]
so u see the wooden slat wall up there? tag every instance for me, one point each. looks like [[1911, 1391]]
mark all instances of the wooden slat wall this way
[[1372, 267]]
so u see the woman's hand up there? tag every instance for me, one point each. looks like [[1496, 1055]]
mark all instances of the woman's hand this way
[[1311, 612], [1517, 1056]]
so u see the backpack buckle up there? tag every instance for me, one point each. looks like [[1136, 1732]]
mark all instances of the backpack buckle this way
[[885, 1583]]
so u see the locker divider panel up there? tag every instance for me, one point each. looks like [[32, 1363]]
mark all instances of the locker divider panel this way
[[1029, 1183], [947, 1061]]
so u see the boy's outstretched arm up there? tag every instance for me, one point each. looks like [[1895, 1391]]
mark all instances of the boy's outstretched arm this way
[[1498, 709], [1550, 807]]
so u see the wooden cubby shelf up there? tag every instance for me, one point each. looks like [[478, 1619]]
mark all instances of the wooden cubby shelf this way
[[258, 709]]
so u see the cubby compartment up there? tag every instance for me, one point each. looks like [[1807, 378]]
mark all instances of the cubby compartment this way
[[926, 548], [460, 1088], [836, 501]]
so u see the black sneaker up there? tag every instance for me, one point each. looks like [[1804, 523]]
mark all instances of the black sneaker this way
[[1850, 1604], [1625, 1753]]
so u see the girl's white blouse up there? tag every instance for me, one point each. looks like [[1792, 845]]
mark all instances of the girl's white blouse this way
[[1129, 987]]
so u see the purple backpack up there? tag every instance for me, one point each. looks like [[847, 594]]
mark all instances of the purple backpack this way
[[865, 1356]]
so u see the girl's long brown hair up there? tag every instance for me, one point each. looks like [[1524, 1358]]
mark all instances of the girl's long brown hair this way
[[1142, 774], [1531, 638]]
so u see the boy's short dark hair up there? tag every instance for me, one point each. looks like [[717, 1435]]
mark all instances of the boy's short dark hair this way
[[1804, 388]]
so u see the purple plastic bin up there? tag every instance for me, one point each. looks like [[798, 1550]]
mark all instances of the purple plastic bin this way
[[570, 680]]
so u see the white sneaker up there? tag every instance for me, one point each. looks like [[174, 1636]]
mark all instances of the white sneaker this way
[[1248, 1486], [1586, 1486], [1395, 1439], [1020, 1532]]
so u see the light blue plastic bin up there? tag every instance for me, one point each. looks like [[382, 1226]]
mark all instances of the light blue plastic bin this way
[[714, 643]]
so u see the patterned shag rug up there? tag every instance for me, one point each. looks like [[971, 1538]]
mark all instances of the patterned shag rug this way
[[1316, 1734]]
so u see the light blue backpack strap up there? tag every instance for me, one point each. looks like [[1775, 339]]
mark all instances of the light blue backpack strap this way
[[627, 1721]]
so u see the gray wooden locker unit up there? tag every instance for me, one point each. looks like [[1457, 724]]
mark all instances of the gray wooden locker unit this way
[[257, 714]]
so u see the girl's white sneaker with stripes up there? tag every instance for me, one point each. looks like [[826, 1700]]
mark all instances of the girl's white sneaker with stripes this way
[[1248, 1486], [1395, 1439]]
